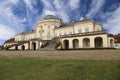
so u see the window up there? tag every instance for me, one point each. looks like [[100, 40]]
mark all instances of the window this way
[[48, 27], [60, 34], [65, 33], [116, 45], [86, 30], [79, 30], [41, 27], [70, 32], [40, 35], [48, 35]]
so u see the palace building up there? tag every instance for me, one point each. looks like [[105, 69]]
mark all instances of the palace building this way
[[52, 33]]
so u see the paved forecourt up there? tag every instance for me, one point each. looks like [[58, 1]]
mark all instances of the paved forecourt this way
[[66, 54]]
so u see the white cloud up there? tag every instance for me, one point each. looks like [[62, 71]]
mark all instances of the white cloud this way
[[95, 8], [29, 4], [6, 32], [49, 12], [74, 4], [47, 4], [23, 20], [61, 8], [112, 23], [13, 1], [8, 21]]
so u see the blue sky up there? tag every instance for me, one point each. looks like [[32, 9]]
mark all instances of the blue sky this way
[[19, 15]]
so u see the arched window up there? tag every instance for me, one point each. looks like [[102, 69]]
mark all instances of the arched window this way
[[33, 46], [86, 43], [111, 43], [66, 44], [75, 43], [98, 42]]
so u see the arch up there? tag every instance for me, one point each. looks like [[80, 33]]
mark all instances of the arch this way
[[75, 43], [22, 47], [98, 42], [111, 43], [33, 46], [66, 44], [16, 47], [86, 43]]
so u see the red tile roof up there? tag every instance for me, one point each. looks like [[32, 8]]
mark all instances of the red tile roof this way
[[10, 40], [117, 38]]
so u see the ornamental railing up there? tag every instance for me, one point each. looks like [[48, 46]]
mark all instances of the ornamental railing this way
[[83, 34]]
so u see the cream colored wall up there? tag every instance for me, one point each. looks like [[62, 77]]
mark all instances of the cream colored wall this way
[[12, 48], [109, 44], [75, 27], [26, 46], [83, 26], [7, 44], [98, 27], [19, 37], [117, 45], [45, 29], [25, 37], [92, 44], [64, 30]]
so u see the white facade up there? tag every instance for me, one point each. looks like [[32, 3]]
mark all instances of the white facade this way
[[76, 35]]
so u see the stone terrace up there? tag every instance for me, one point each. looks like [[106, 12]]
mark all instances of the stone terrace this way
[[66, 54]]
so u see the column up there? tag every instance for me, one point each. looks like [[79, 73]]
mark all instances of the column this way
[[70, 43], [92, 42], [81, 43]]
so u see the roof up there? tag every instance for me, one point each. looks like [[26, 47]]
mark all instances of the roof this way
[[64, 25], [117, 38], [50, 17], [10, 40], [85, 19], [28, 32]]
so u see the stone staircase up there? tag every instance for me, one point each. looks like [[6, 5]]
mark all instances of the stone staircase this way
[[49, 45]]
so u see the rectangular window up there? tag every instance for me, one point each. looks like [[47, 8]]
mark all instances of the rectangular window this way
[[86, 30], [48, 35], [60, 34], [41, 27], [70, 32], [48, 27], [40, 35], [65, 33], [79, 30]]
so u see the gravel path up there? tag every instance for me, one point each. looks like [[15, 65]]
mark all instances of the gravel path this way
[[71, 54]]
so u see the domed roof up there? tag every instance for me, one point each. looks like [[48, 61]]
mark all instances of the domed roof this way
[[50, 17]]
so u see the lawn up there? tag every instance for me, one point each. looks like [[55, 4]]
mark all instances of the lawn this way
[[41, 69]]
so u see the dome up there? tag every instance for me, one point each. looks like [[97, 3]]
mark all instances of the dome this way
[[50, 17]]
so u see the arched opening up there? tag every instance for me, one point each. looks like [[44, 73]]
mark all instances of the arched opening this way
[[23, 47], [16, 47], [86, 43], [66, 44], [98, 42], [33, 46], [111, 43], [75, 44]]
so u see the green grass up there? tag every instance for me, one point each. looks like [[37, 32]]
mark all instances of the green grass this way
[[39, 69]]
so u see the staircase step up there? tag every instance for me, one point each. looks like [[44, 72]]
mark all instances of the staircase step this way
[[50, 45]]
